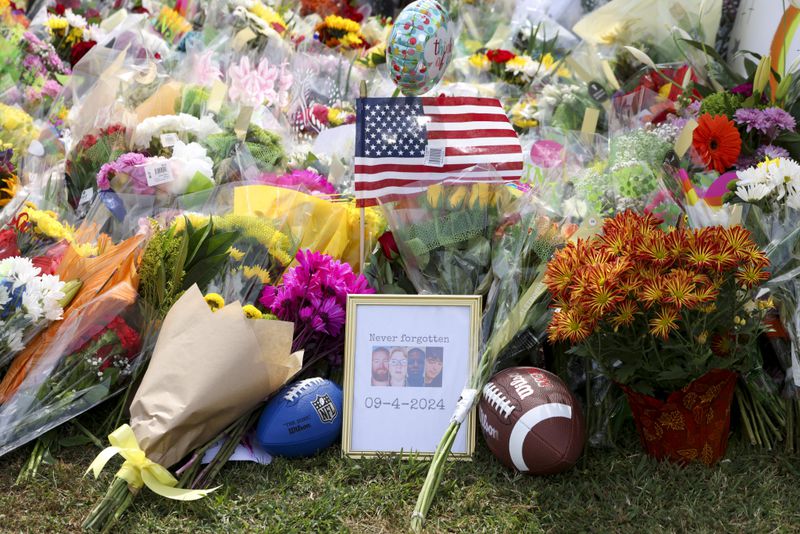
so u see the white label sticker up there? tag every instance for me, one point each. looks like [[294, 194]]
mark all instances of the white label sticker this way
[[158, 173], [169, 139], [86, 196], [434, 156]]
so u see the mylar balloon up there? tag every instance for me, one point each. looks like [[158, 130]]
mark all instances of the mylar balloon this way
[[420, 47]]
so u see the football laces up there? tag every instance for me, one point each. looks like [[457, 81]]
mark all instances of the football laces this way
[[497, 400], [296, 390]]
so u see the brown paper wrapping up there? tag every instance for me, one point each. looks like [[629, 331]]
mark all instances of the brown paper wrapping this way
[[207, 370]]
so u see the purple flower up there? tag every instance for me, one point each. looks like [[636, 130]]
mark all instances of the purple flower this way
[[769, 122], [314, 293], [51, 88], [752, 118], [778, 119], [131, 164], [32, 62], [745, 89], [761, 153]]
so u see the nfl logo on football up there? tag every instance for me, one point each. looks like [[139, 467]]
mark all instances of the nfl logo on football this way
[[326, 409]]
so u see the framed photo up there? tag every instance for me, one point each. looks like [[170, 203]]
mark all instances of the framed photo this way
[[407, 358]]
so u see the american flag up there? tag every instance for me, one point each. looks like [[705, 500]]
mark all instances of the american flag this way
[[405, 144]]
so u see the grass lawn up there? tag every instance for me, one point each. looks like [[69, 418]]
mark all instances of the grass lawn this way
[[616, 491]]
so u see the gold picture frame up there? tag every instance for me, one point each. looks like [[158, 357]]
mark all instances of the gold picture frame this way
[[399, 401]]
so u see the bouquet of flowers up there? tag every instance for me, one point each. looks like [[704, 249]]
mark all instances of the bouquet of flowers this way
[[335, 31], [187, 170], [515, 314], [89, 155], [771, 190], [29, 301], [175, 411], [313, 296], [70, 34], [55, 377], [17, 131]]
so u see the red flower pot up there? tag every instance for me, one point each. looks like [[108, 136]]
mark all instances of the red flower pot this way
[[693, 423]]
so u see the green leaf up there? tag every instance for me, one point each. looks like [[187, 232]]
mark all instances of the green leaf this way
[[196, 239], [220, 242], [791, 142], [204, 271]]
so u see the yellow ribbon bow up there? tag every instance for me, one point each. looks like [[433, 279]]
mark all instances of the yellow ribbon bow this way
[[138, 470]]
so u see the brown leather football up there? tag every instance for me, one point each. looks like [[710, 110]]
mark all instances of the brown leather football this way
[[531, 421]]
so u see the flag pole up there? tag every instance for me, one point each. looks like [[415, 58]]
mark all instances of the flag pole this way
[[362, 92]]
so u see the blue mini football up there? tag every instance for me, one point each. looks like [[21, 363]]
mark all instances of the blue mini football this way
[[304, 418]]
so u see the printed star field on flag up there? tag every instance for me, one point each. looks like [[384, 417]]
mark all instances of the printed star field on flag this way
[[405, 144]]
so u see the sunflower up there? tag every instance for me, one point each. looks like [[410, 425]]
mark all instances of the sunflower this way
[[8, 188], [717, 141]]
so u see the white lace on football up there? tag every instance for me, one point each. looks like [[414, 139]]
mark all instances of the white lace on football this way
[[497, 400], [298, 389]]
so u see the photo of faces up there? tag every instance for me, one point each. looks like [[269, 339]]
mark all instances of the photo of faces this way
[[404, 367]]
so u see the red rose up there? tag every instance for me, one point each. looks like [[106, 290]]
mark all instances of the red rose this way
[[389, 245], [8, 244], [79, 50], [500, 56]]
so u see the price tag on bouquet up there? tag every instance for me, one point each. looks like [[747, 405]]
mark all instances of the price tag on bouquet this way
[[86, 196], [158, 173], [407, 360], [169, 139]]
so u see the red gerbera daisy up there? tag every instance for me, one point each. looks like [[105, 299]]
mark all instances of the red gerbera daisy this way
[[717, 141]]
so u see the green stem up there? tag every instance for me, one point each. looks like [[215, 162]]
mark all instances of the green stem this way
[[433, 479]]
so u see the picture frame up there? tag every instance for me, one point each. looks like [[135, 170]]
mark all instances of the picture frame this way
[[407, 359]]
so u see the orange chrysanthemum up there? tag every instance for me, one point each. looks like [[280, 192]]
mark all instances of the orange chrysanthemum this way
[[751, 275], [626, 314], [717, 141], [679, 289], [665, 321]]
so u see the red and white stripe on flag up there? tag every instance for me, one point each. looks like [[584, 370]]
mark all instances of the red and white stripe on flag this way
[[404, 145]]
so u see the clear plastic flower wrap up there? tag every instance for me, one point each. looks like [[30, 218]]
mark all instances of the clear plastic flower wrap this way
[[55, 377], [473, 237], [90, 359]]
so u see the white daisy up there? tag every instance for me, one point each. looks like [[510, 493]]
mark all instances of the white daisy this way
[[75, 20], [751, 192]]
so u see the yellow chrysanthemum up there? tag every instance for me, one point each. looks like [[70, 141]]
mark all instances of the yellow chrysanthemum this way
[[251, 312], [214, 301], [256, 271], [479, 61], [13, 118], [335, 22], [75, 36], [268, 15], [47, 223], [56, 23]]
